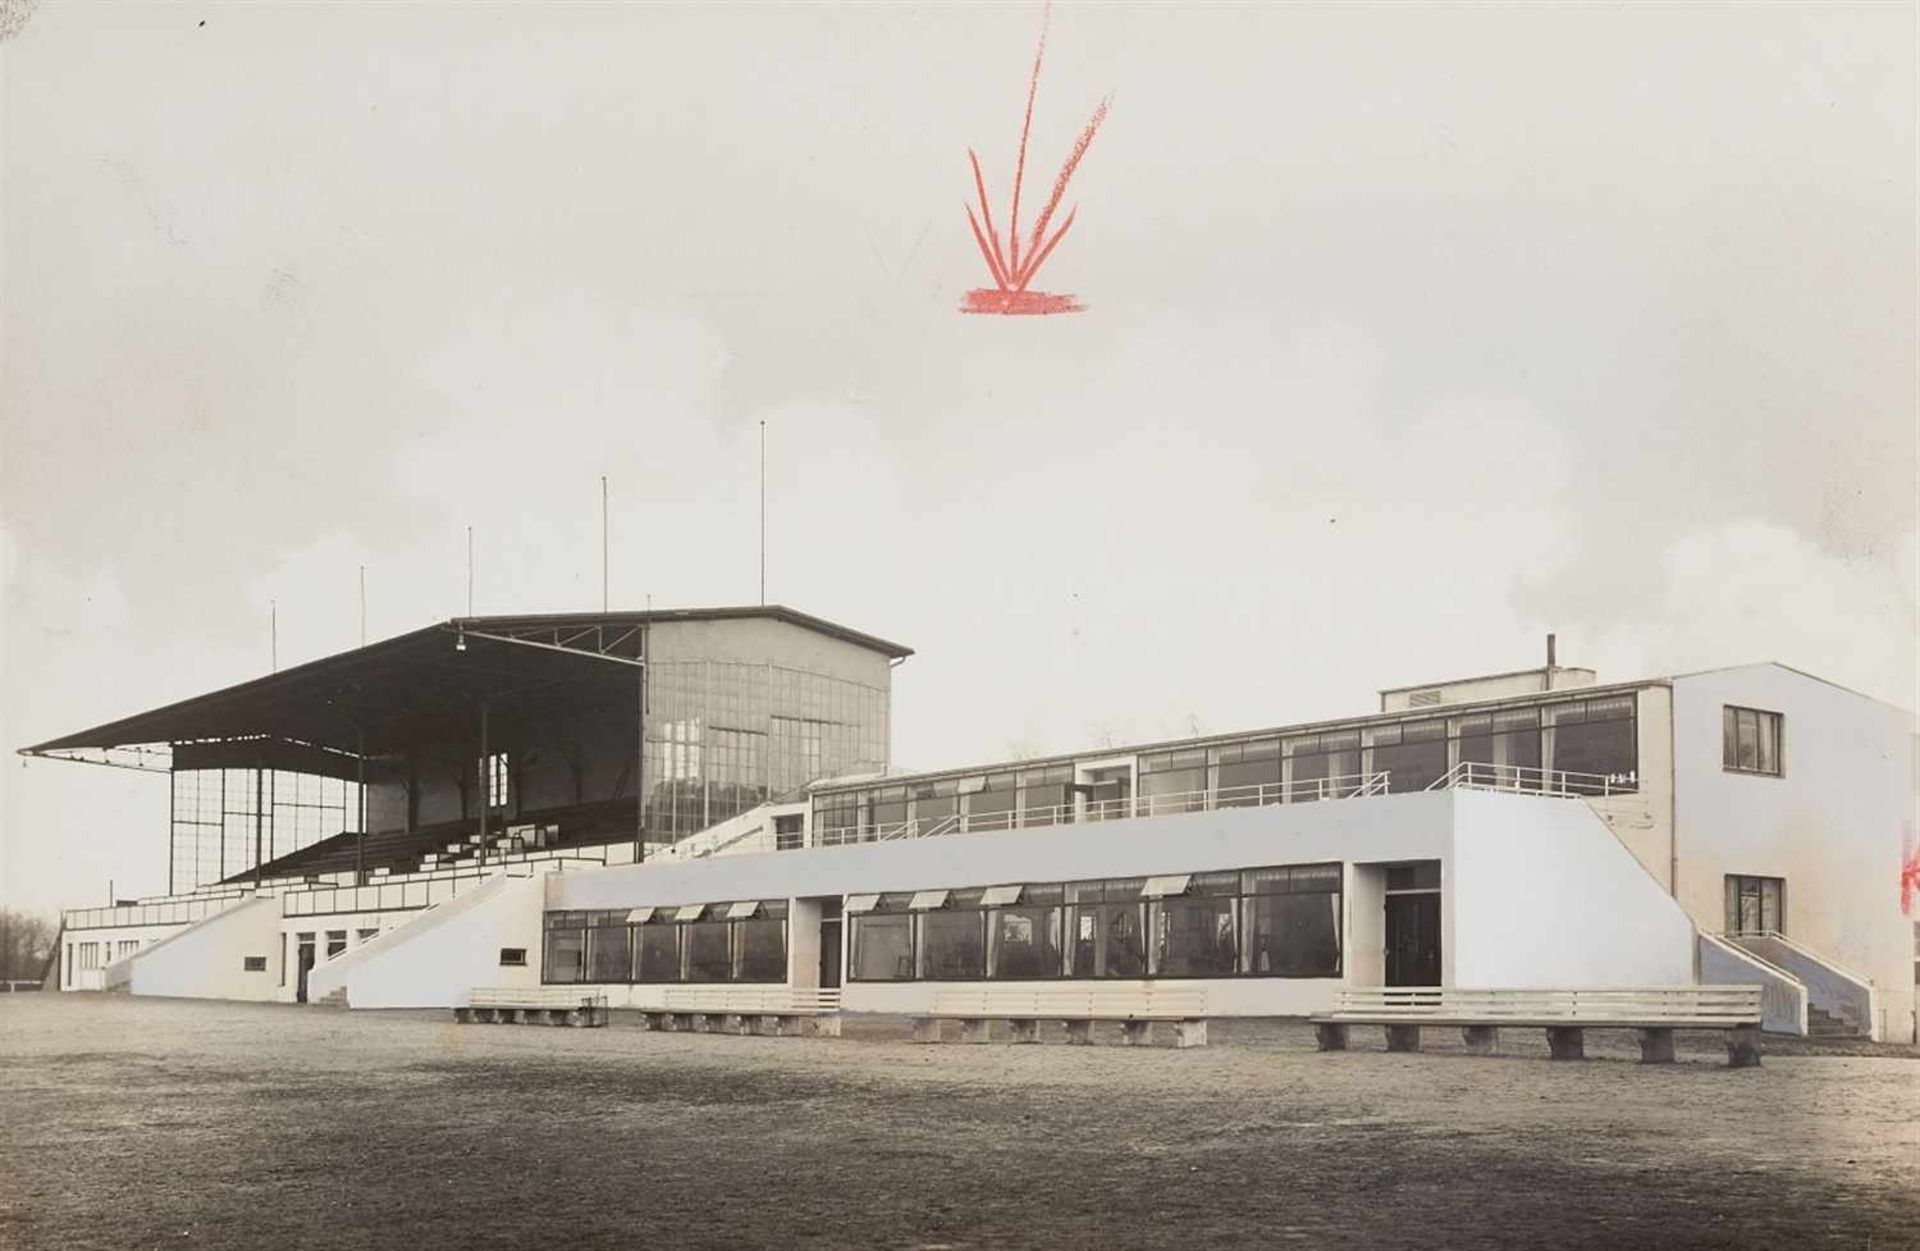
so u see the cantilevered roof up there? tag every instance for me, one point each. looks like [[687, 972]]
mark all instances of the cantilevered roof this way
[[415, 685]]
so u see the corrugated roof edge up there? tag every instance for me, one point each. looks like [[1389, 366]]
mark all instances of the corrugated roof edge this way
[[778, 612]]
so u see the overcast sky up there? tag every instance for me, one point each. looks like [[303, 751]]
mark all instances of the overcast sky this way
[[1412, 334]]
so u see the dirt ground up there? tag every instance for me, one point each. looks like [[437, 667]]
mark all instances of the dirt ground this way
[[155, 1123]]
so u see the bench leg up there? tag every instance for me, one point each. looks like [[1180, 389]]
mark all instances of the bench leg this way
[[1136, 1033], [1743, 1048], [1190, 1033], [1025, 1031], [974, 1029], [463, 1016], [1403, 1037], [681, 1022], [826, 1025], [1567, 1042], [562, 1016], [1331, 1035], [1656, 1046], [926, 1029], [1480, 1039], [1080, 1033]]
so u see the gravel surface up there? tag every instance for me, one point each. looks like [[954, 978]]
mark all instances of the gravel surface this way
[[172, 1123]]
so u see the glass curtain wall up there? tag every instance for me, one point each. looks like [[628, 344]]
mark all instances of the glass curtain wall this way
[[1273, 922], [723, 737], [607, 946]]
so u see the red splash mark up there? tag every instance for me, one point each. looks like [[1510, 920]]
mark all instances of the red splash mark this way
[[1909, 871], [1011, 273]]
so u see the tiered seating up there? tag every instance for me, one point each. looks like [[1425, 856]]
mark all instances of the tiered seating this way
[[446, 844]]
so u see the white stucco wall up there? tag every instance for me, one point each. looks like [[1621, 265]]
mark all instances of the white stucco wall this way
[[1831, 826], [207, 960], [437, 956], [1542, 894]]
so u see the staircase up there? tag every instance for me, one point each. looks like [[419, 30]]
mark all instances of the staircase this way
[[1824, 1024]]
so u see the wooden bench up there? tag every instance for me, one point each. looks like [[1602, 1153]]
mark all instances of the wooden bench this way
[[1654, 1011], [783, 1011], [553, 1005], [1024, 1006]]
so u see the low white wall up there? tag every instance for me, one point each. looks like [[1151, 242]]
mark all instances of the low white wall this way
[[1544, 895], [437, 957], [207, 960]]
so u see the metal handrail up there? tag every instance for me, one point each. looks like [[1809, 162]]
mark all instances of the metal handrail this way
[[1528, 779], [1306, 790]]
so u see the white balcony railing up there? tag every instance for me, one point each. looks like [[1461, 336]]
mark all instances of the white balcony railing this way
[[1525, 779], [1306, 790]]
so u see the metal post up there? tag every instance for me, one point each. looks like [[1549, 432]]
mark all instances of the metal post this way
[[603, 543], [486, 783], [763, 510], [360, 843], [640, 772], [259, 820], [173, 823]]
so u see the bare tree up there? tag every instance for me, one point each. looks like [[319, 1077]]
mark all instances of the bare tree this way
[[26, 940]]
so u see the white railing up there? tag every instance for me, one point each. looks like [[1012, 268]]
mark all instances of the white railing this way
[[1305, 790], [1525, 779]]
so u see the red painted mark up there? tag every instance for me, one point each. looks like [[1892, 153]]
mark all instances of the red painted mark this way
[[1909, 871], [1012, 272]]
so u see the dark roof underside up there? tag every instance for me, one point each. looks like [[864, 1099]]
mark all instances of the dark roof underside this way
[[414, 686]]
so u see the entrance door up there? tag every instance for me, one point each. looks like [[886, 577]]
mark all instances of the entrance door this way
[[830, 953], [1413, 939], [306, 967]]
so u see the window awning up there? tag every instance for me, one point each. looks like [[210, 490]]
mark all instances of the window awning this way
[[1169, 884], [924, 900], [689, 912], [862, 903], [1001, 896], [746, 908], [640, 916]]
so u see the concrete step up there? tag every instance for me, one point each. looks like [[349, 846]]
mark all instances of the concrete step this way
[[1823, 1024]]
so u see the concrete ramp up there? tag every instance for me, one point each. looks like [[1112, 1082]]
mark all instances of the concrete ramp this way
[[1783, 997], [1843, 1002], [433, 959], [233, 954]]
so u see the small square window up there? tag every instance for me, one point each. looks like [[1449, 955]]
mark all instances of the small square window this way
[[1750, 741], [256, 964], [513, 957]]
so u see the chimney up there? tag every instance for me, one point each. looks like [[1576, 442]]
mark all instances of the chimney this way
[[1550, 660]]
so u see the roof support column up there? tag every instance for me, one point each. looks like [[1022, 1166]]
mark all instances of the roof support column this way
[[486, 783], [259, 822], [360, 785]]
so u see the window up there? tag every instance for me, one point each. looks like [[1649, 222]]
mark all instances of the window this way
[[760, 945], [513, 957], [1750, 741], [607, 956], [1756, 905], [1043, 795], [883, 941], [1246, 775], [1322, 766], [952, 941], [566, 947], [366, 935], [992, 806], [709, 955], [789, 831], [253, 964], [1590, 742], [1293, 921], [1024, 933], [1173, 781], [1197, 934], [656, 950], [496, 769], [936, 805], [130, 945], [1107, 925], [336, 943], [1503, 747], [1413, 755]]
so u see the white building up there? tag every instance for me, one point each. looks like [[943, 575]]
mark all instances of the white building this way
[[1530, 829]]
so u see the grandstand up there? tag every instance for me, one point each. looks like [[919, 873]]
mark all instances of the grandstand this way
[[642, 803]]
